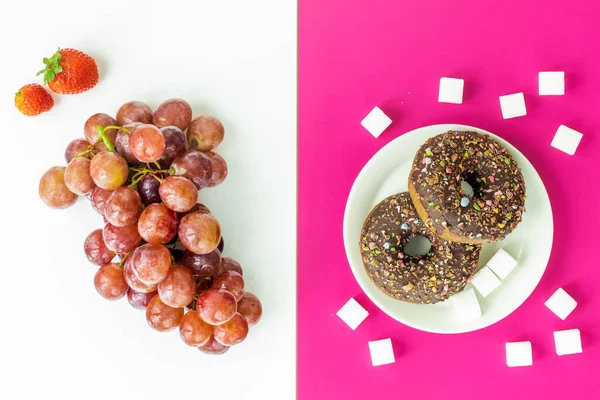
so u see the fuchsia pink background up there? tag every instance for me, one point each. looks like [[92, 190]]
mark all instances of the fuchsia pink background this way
[[356, 54]]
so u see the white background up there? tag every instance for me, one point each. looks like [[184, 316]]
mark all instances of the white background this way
[[232, 59]]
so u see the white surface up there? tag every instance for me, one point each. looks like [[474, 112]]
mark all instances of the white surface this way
[[376, 122], [485, 281], [502, 263], [352, 313], [466, 306], [561, 303], [451, 90], [566, 140], [233, 59], [518, 354], [551, 83], [387, 173], [513, 105], [382, 352], [567, 342]]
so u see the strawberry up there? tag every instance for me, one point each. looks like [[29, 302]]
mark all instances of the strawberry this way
[[70, 71], [33, 99]]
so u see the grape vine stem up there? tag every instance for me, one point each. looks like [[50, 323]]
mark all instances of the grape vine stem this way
[[102, 134]]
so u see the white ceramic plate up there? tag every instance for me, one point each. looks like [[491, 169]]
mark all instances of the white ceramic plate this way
[[531, 243]]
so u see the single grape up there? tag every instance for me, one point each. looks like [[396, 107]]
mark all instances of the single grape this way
[[232, 332], [193, 330], [139, 300], [175, 145], [221, 247], [148, 189], [202, 265], [178, 288], [157, 224], [134, 111], [151, 262], [53, 191], [95, 249], [216, 306], [219, 169], [205, 133], [109, 170], [162, 317], [232, 282], [173, 112], [121, 239], [78, 178], [134, 282], [178, 193], [122, 142], [110, 283], [229, 264], [123, 207], [196, 166], [98, 198], [147, 143], [213, 347], [251, 308], [91, 132], [75, 147], [199, 233]]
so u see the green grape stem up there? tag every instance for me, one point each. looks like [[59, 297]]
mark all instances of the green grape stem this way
[[135, 180], [122, 261], [102, 133], [85, 152], [139, 173]]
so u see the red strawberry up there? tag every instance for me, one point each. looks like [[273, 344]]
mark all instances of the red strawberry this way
[[70, 71], [33, 99]]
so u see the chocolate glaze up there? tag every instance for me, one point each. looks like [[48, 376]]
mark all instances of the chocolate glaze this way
[[427, 279]]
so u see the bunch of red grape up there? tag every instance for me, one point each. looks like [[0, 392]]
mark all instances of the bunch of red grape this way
[[159, 246]]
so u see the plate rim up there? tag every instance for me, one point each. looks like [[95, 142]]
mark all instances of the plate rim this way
[[353, 193]]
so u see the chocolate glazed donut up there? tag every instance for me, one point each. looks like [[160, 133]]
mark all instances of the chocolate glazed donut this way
[[426, 279], [436, 179]]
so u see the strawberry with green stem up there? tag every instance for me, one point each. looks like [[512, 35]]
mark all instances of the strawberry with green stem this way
[[70, 71]]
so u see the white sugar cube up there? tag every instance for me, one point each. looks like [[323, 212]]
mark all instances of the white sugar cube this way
[[551, 83], [566, 139], [485, 281], [513, 105], [567, 342], [518, 354], [451, 90], [352, 313], [502, 263], [561, 304], [376, 122], [466, 306], [382, 352]]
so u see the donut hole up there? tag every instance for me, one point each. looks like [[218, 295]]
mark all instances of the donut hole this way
[[417, 246], [467, 189], [470, 186]]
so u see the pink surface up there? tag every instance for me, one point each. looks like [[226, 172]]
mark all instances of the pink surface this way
[[358, 54]]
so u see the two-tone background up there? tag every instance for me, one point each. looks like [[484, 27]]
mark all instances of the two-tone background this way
[[291, 80]]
